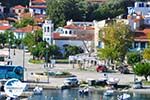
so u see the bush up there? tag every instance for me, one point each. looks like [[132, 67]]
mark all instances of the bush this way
[[36, 61], [142, 69], [134, 57]]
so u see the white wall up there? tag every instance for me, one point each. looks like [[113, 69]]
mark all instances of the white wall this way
[[47, 27], [19, 35], [79, 43]]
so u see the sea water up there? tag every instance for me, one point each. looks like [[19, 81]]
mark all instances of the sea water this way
[[73, 94]]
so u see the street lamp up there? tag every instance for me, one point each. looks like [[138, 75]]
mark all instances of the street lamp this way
[[23, 62], [9, 46], [46, 63]]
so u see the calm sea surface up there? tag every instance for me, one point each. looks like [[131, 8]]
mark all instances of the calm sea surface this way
[[72, 94]]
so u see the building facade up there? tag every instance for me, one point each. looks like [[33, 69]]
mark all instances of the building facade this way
[[48, 28], [37, 7]]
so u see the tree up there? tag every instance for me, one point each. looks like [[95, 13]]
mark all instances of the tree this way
[[117, 39], [24, 22], [3, 39], [134, 57], [38, 50], [10, 37], [146, 54], [29, 40], [55, 12], [72, 50], [142, 69]]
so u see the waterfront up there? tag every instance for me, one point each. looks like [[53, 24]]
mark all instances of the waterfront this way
[[72, 94]]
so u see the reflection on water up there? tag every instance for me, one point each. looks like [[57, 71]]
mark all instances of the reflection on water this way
[[72, 94]]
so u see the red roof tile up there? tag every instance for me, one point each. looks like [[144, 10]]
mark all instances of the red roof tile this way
[[38, 1], [19, 7], [86, 37], [27, 29], [142, 35], [38, 6], [72, 26], [5, 27]]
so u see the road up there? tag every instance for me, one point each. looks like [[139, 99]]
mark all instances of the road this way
[[82, 75]]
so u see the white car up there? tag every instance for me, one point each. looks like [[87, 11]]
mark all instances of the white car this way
[[137, 85], [71, 81]]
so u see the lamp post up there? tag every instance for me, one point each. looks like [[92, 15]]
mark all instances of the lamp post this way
[[46, 63], [23, 61], [9, 47]]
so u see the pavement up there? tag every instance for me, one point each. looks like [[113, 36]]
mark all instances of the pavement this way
[[39, 68]]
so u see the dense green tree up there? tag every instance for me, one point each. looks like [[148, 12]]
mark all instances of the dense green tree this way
[[10, 38], [3, 39], [117, 39], [24, 23], [38, 50], [134, 57], [55, 12], [142, 69], [10, 3], [72, 50], [146, 54], [29, 40]]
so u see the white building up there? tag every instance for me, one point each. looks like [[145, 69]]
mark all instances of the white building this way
[[48, 28], [76, 34], [139, 21], [1, 8], [37, 7], [139, 15]]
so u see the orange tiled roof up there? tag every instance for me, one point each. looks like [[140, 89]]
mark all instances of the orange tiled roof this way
[[38, 6], [87, 37], [72, 26], [27, 29], [5, 27], [38, 1], [39, 18], [26, 15], [19, 7], [142, 35]]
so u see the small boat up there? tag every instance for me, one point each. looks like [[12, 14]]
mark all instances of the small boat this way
[[112, 81], [84, 91], [124, 96], [37, 91], [109, 93]]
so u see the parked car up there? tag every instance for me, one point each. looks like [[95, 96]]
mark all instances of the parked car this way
[[123, 69], [71, 81], [137, 85], [101, 68]]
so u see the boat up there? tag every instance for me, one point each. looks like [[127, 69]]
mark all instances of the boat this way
[[84, 91], [37, 90], [113, 81], [124, 96], [109, 93]]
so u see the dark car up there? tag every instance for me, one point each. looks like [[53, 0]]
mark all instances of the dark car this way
[[123, 69], [101, 68]]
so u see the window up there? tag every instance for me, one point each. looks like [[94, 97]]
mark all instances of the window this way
[[34, 10], [70, 32], [140, 5], [65, 32], [136, 44], [19, 11], [44, 29], [143, 45], [47, 29], [47, 39], [147, 5]]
